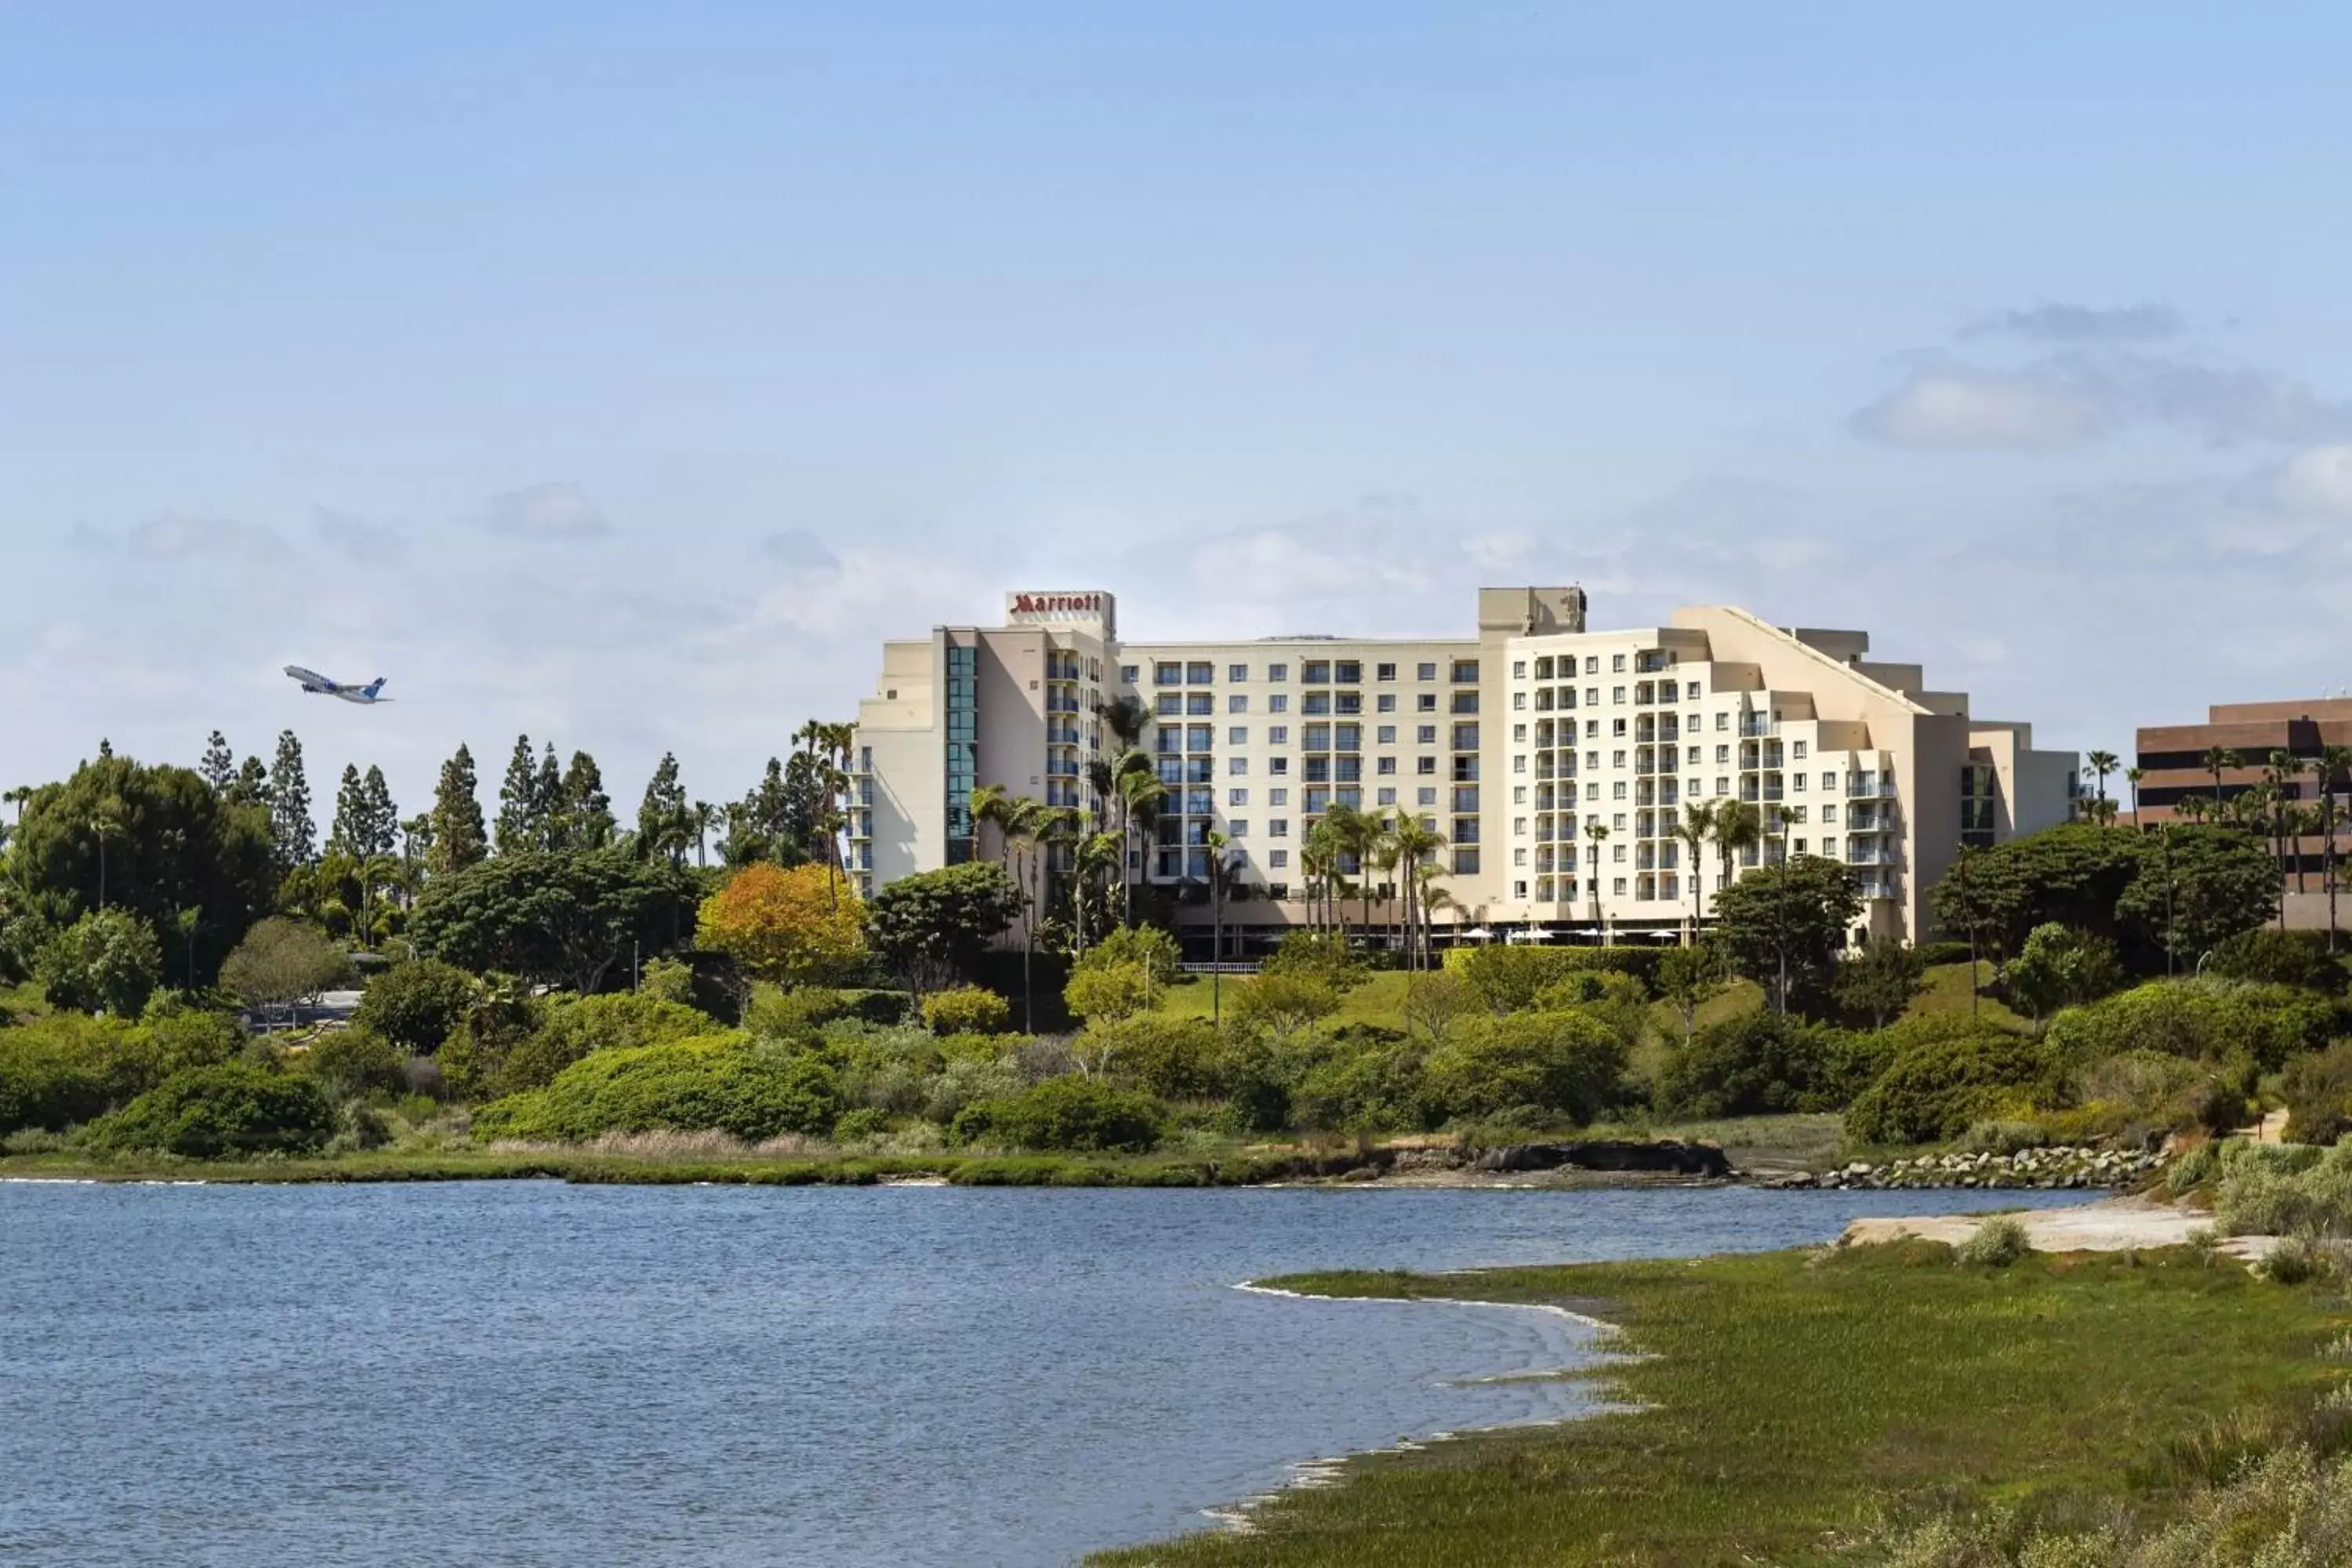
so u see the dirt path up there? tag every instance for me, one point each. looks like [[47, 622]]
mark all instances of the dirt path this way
[[2111, 1225]]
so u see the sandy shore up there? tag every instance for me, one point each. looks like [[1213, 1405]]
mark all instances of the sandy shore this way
[[2111, 1225]]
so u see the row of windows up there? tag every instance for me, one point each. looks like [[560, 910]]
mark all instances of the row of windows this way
[[1311, 672], [1313, 737], [1649, 659], [1169, 704]]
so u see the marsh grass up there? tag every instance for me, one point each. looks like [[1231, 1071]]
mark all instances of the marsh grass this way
[[1787, 1400]]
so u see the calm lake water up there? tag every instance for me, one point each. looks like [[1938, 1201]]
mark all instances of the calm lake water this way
[[529, 1372]]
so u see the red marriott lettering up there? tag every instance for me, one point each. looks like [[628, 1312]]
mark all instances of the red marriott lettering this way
[[1041, 603]]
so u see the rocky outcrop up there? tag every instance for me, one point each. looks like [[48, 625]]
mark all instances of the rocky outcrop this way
[[1663, 1158], [2054, 1167]]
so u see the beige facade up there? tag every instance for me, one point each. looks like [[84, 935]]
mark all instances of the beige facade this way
[[1555, 760]]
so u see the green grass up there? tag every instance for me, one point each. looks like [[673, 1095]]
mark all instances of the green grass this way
[[1947, 992], [1379, 999], [1782, 1402]]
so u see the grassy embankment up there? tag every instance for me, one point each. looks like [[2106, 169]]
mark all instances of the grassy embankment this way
[[1781, 1403]]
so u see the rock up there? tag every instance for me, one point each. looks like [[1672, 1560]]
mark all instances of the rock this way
[[1667, 1157]]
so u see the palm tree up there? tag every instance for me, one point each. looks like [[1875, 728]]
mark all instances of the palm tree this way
[[2101, 765], [1097, 854], [1738, 826], [704, 816], [2195, 807], [1432, 899], [1024, 823], [2132, 777], [1598, 831], [105, 820], [2217, 761], [2334, 772], [1696, 826], [1140, 797], [1413, 847], [2284, 768], [1221, 871]]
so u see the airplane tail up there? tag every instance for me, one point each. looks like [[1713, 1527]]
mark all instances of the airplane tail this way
[[375, 686]]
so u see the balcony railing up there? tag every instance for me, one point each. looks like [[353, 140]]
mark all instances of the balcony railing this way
[[1752, 724]]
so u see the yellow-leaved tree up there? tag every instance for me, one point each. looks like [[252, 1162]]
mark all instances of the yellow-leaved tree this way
[[796, 927]]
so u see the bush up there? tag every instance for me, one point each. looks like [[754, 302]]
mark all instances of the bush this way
[[752, 1089], [1318, 956], [280, 961], [1563, 1061], [346, 1063], [967, 1010], [1171, 1058], [1764, 1064], [1074, 1114], [1618, 999], [2318, 1090], [415, 1004], [185, 1036], [798, 1011], [855, 1126], [2292, 1260], [1936, 1089], [2201, 1019], [1106, 993], [2281, 1190], [67, 1069], [207, 1113], [1933, 953], [1281, 1003], [105, 961], [2276, 957], [2061, 967], [1362, 1080], [1505, 978], [1996, 1244], [577, 1027]]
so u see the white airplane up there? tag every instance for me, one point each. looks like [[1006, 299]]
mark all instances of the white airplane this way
[[367, 696]]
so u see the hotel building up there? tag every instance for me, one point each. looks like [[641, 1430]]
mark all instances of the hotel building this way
[[1556, 760]]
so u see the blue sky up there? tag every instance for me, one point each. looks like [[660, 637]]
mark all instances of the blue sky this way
[[621, 374]]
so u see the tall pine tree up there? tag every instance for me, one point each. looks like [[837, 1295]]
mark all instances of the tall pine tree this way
[[665, 823], [293, 837], [458, 839], [382, 816], [344, 836], [219, 767], [251, 785], [547, 798], [521, 821], [584, 818]]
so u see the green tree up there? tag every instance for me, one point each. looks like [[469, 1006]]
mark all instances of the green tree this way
[[105, 961], [207, 1113], [280, 962], [416, 1004], [292, 834], [1689, 977], [1107, 993], [2101, 764], [556, 919], [1281, 1003], [458, 839], [172, 845], [667, 825], [522, 817], [583, 817], [1784, 926], [1878, 982], [932, 927], [2198, 887], [251, 785], [2071, 875], [218, 769], [2061, 967], [1566, 1063]]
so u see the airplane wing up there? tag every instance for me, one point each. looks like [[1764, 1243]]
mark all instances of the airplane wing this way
[[307, 677]]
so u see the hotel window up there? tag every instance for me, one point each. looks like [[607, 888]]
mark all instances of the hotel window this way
[[1316, 737], [1277, 766], [1465, 737], [1348, 672], [1425, 734], [1518, 827], [1171, 702], [1425, 766], [1617, 790], [1797, 780], [1617, 663], [1519, 762], [1277, 672], [1384, 734], [1200, 702], [1797, 750], [1348, 737], [1315, 702], [1617, 728], [1316, 673], [1592, 791], [1425, 672], [1168, 672], [1277, 703], [1829, 848], [1277, 858], [1237, 798], [1691, 692], [1617, 696], [1722, 785], [1384, 672], [1200, 738], [1592, 697], [1387, 702], [1388, 797], [1828, 816], [1425, 702], [1237, 766], [1465, 670], [1519, 701], [1237, 703], [1129, 673], [1279, 828], [1237, 828], [1723, 721], [1318, 770], [1828, 781], [1592, 732], [1592, 665], [1350, 702], [1618, 884], [1616, 759], [1518, 794], [1237, 672], [1238, 735], [1723, 756], [1277, 797], [1277, 735], [1800, 846], [1691, 757], [1519, 670], [1591, 760], [1465, 861], [1200, 672], [1424, 796]]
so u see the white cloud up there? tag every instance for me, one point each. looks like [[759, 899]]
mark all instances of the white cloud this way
[[2319, 481], [2055, 323], [553, 511], [178, 537], [1958, 408]]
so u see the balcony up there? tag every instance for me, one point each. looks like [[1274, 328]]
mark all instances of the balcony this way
[[1061, 768], [1870, 787], [1859, 853], [1755, 724]]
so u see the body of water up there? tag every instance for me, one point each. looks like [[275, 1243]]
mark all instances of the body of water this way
[[531, 1372]]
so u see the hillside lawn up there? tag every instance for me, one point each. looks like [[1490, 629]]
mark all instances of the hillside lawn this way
[[1778, 1403]]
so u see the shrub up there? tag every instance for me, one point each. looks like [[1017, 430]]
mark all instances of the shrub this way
[[579, 1027], [1075, 1114], [865, 1121], [1106, 993], [1505, 978], [2205, 1019], [1317, 956], [280, 961], [1283, 1003], [415, 1004], [2292, 1260], [1617, 999], [105, 961], [967, 1010], [1765, 1064], [1362, 1080], [65, 1070], [965, 1081], [207, 1113], [667, 980], [1172, 1059], [783, 1014], [1934, 953], [2148, 1089], [1996, 1244], [2282, 1190], [2061, 967], [2319, 1095], [1934, 1089], [752, 1089], [2298, 958], [350, 1062], [1561, 1061], [184, 1037]]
